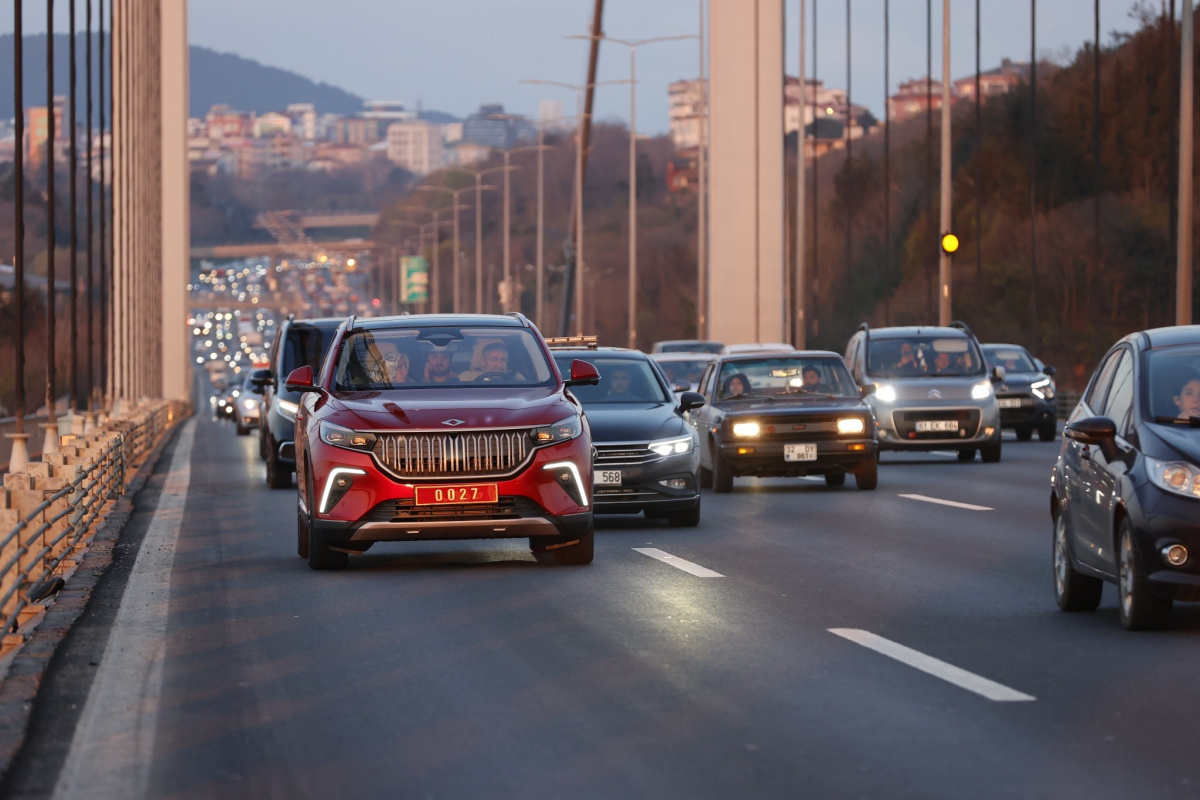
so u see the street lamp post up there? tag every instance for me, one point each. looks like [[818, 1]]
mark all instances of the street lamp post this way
[[479, 188], [579, 90], [633, 45], [455, 206]]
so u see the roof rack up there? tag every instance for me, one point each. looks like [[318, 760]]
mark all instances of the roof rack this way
[[518, 315], [573, 342], [350, 320], [866, 328], [962, 326]]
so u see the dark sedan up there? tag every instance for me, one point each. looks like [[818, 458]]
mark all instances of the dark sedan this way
[[646, 455], [1026, 395], [1125, 491], [784, 415]]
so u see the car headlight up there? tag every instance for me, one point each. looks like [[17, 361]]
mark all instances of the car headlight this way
[[672, 447], [561, 431], [1043, 388], [851, 425], [288, 409], [1179, 477], [885, 392], [746, 429], [248, 404], [338, 436], [982, 390]]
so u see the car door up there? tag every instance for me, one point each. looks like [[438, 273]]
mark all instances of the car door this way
[[1106, 473], [1075, 463], [702, 417], [1089, 523]]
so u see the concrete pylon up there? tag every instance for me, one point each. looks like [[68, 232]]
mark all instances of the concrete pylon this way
[[747, 297]]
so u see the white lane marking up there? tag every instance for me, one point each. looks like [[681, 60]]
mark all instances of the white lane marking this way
[[678, 563], [110, 755], [813, 478], [951, 503], [933, 666], [947, 453]]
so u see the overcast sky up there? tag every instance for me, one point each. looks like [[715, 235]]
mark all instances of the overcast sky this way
[[453, 55]]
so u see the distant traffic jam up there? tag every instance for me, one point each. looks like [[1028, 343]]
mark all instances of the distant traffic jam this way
[[476, 426]]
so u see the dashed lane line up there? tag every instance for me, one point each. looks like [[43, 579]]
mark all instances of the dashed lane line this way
[[933, 666], [951, 503], [678, 563]]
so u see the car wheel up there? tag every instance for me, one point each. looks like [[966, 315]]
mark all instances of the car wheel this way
[[705, 479], [242, 431], [1024, 434], [277, 476], [580, 552], [722, 473], [990, 452], [966, 455], [1139, 609], [867, 476], [1047, 433], [262, 446], [301, 533], [835, 479], [1072, 590], [684, 519]]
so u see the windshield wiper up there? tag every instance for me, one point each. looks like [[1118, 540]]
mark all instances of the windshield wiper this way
[[1192, 422]]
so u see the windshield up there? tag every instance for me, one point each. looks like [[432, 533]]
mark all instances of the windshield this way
[[685, 371], [923, 356], [622, 380], [1173, 382], [1012, 359], [406, 358], [785, 376]]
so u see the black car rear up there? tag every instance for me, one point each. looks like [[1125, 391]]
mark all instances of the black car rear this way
[[646, 457]]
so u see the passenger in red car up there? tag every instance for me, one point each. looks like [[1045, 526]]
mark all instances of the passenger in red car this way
[[437, 367]]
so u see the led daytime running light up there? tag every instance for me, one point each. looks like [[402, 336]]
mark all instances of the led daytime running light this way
[[333, 477], [574, 470]]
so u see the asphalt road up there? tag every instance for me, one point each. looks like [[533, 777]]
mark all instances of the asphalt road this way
[[468, 670]]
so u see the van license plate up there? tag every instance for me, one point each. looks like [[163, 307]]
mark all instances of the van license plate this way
[[937, 426], [799, 452]]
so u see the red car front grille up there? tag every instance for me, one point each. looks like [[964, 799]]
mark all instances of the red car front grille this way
[[448, 455]]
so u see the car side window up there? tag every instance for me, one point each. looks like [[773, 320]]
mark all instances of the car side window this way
[[1099, 388], [1119, 403]]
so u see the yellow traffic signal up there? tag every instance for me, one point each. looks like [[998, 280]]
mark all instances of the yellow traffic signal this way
[[949, 244]]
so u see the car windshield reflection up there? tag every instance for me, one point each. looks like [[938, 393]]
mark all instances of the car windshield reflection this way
[[785, 377]]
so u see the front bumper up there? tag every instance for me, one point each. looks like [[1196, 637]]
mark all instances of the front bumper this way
[[645, 487], [1031, 413], [765, 458], [1175, 520], [978, 424]]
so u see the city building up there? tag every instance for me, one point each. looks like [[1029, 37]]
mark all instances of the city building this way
[[492, 127], [994, 82], [685, 100], [550, 115], [913, 98], [466, 154], [415, 145], [304, 120], [223, 122], [272, 124], [392, 110]]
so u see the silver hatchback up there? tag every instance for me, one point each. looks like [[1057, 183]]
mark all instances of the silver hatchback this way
[[930, 389]]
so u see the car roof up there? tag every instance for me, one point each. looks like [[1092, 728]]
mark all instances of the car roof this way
[[320, 322], [1169, 337], [607, 352], [761, 354], [439, 320], [915, 330], [683, 355]]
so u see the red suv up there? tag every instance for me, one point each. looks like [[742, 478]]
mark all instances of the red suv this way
[[441, 427]]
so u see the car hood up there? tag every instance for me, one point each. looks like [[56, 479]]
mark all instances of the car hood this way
[[634, 422], [1020, 380], [418, 409], [1171, 443], [778, 408]]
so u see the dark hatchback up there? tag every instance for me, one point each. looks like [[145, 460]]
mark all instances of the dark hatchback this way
[[784, 415], [646, 452], [1125, 496], [1026, 395]]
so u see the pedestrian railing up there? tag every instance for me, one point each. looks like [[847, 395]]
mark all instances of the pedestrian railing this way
[[50, 511]]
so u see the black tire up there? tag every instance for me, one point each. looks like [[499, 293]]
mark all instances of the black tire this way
[[320, 557], [722, 474], [705, 478], [278, 476], [262, 445], [684, 519], [301, 533], [1024, 433], [867, 477], [576, 553], [966, 455], [242, 431], [1072, 591], [990, 452], [835, 479], [1138, 607], [1048, 433]]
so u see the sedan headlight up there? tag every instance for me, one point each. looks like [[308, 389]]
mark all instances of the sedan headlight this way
[[248, 404], [745, 429], [982, 390], [885, 393], [1043, 388], [1179, 477], [561, 431], [288, 409], [672, 447], [851, 425], [338, 436]]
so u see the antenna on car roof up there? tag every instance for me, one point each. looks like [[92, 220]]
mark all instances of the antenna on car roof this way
[[865, 328], [962, 326]]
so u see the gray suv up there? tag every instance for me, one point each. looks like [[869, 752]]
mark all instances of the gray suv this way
[[929, 387]]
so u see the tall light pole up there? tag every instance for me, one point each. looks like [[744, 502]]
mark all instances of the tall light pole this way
[[944, 257], [579, 115], [1183, 281], [436, 295], [456, 206], [633, 45], [799, 327]]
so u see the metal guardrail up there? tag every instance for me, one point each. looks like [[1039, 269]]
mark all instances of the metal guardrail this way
[[1065, 402], [48, 511]]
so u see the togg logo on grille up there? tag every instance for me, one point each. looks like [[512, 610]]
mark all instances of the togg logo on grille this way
[[453, 423]]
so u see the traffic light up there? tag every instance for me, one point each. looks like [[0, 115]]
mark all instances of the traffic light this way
[[949, 243]]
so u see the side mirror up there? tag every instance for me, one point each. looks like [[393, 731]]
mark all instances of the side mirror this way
[[261, 381], [1100, 431], [583, 373], [866, 389], [1051, 371], [690, 400], [301, 380], [998, 374]]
